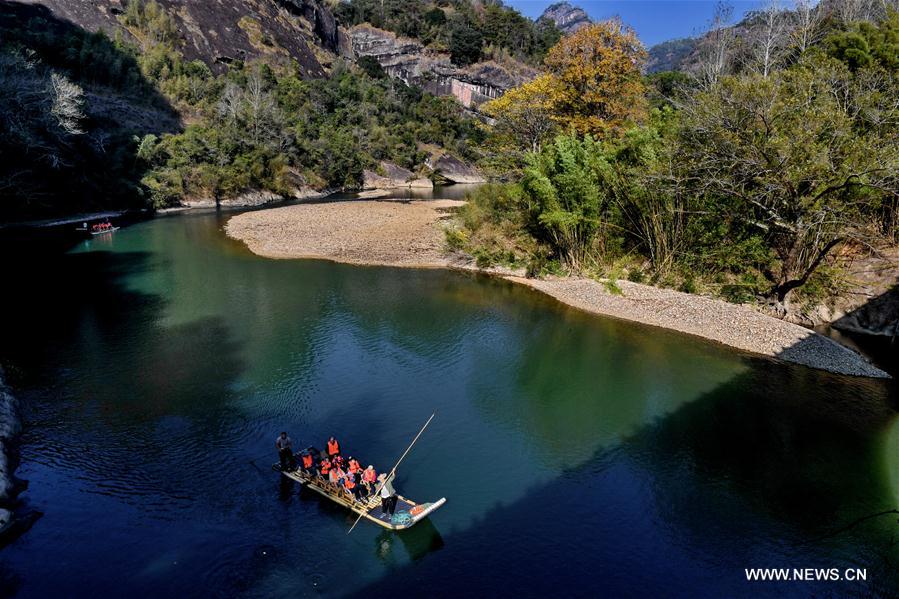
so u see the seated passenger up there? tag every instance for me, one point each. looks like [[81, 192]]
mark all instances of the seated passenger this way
[[351, 486], [307, 463], [336, 475], [370, 478]]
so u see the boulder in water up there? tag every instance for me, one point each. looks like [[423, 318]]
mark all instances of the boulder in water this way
[[453, 170]]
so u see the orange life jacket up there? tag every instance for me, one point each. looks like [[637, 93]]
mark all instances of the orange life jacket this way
[[335, 475], [307, 461], [369, 476], [354, 466], [326, 466], [349, 482], [333, 447]]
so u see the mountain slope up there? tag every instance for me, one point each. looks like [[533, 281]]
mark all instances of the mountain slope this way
[[223, 31]]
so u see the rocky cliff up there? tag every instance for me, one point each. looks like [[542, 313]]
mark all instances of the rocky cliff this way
[[221, 31], [567, 18], [408, 60]]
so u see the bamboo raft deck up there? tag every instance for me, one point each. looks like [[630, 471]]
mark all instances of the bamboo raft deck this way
[[367, 508]]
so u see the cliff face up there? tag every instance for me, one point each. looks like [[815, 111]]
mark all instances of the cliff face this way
[[408, 60], [567, 18], [221, 31]]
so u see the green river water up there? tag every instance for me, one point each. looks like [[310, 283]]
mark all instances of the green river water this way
[[578, 455]]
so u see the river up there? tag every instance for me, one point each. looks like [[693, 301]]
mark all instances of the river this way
[[579, 455]]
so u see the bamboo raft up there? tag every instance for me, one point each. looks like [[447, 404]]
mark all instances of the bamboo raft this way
[[369, 508]]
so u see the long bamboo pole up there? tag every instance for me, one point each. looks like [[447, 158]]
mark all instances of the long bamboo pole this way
[[393, 470]]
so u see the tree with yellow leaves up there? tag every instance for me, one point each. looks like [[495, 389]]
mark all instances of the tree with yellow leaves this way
[[524, 115], [595, 84]]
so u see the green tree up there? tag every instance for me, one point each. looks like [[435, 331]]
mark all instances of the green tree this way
[[563, 188], [465, 46], [791, 158]]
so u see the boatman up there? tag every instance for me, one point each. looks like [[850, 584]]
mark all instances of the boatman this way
[[388, 495], [285, 456]]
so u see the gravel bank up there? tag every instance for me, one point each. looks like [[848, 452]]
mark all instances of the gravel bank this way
[[408, 234], [389, 232]]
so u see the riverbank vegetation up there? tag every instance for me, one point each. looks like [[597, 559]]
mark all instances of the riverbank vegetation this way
[[749, 179]]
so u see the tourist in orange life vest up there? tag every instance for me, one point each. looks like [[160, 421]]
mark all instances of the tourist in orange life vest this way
[[336, 475], [370, 478], [354, 467], [307, 463], [333, 447], [351, 486], [325, 467], [338, 461]]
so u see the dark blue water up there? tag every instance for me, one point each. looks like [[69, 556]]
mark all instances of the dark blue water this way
[[579, 455]]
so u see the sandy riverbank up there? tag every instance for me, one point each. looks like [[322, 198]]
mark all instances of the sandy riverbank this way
[[409, 234]]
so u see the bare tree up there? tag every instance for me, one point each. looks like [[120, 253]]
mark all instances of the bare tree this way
[[717, 45], [229, 103], [860, 10], [67, 104], [261, 113], [767, 38], [807, 20]]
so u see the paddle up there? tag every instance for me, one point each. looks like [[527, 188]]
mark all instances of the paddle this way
[[393, 470]]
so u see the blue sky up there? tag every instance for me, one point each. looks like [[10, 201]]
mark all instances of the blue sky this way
[[654, 20]]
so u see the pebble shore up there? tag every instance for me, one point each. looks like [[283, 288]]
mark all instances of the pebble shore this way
[[410, 234]]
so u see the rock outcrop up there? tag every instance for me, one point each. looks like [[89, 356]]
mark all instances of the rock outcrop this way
[[224, 31], [566, 17], [391, 176], [872, 305], [409, 61]]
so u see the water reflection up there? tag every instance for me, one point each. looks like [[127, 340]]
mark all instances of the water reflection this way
[[416, 542]]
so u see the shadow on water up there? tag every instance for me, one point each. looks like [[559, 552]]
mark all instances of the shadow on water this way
[[165, 393], [715, 464]]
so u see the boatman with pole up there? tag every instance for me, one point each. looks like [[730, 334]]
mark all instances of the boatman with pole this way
[[388, 494], [386, 480], [285, 456]]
